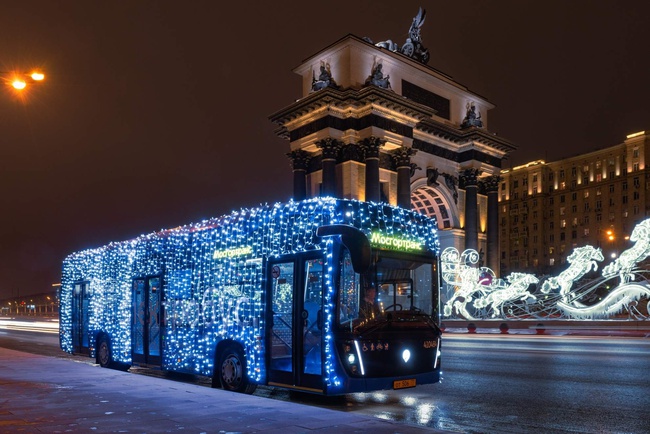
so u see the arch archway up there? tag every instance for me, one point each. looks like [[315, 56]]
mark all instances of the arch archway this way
[[429, 201]]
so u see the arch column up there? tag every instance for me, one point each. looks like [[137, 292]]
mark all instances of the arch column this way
[[402, 158], [469, 178], [330, 148], [299, 161], [491, 184], [370, 148]]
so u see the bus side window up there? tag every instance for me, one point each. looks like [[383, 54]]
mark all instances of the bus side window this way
[[348, 297]]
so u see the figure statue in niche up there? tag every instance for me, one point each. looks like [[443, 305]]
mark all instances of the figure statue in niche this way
[[324, 79], [471, 118], [413, 46], [432, 176], [414, 168], [377, 78], [451, 182]]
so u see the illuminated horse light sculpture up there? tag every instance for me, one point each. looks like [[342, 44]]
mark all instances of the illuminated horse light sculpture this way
[[478, 287], [628, 259], [478, 294], [582, 260], [517, 290], [623, 296]]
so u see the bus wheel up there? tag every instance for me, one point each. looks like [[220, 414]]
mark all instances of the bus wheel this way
[[104, 354], [233, 371]]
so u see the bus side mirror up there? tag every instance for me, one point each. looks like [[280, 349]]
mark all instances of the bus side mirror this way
[[354, 240]]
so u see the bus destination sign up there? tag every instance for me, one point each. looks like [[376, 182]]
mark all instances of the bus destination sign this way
[[230, 253], [394, 243]]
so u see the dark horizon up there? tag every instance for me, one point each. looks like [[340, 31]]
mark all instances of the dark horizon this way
[[155, 114]]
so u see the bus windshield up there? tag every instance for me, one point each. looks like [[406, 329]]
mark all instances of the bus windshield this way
[[394, 283]]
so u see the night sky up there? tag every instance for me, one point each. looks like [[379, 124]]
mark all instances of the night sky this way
[[155, 114]]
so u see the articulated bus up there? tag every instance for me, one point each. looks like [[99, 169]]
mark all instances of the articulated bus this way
[[273, 295]]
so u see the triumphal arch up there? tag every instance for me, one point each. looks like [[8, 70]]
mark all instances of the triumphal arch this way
[[376, 123]]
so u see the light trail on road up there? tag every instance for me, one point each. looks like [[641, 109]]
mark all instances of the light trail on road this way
[[30, 326]]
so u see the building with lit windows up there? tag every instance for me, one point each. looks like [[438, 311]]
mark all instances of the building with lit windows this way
[[548, 209]]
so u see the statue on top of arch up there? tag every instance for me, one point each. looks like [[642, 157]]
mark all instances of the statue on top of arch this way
[[325, 78], [472, 119], [378, 78], [413, 47]]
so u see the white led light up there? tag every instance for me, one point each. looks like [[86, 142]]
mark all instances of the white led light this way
[[351, 358], [356, 346], [406, 355]]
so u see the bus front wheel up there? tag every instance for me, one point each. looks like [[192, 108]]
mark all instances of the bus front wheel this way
[[232, 371], [104, 353]]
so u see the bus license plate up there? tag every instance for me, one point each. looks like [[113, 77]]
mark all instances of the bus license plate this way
[[403, 384]]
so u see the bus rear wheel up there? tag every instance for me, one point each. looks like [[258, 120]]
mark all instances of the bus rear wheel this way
[[232, 371], [104, 353]]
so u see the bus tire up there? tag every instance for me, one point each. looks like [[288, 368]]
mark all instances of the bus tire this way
[[232, 371], [104, 353]]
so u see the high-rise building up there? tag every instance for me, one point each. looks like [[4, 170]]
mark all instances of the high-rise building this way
[[548, 209]]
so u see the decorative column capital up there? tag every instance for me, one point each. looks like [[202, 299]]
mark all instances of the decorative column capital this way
[[469, 178], [491, 183], [371, 147], [330, 148], [299, 159], [402, 157]]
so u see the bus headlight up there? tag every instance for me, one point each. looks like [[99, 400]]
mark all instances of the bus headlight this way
[[352, 355]]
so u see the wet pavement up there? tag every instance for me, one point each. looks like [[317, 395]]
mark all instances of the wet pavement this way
[[40, 394]]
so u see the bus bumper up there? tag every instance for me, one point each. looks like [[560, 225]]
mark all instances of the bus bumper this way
[[355, 385]]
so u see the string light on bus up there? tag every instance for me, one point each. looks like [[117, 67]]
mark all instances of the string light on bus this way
[[212, 270]]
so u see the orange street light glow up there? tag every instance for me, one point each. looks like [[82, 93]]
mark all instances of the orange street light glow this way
[[19, 84], [37, 76]]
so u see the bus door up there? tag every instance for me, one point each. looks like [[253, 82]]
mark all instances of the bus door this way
[[296, 338], [147, 316], [80, 318]]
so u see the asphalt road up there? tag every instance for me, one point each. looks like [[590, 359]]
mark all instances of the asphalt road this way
[[492, 384]]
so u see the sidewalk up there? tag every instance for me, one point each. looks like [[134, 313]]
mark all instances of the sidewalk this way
[[48, 395]]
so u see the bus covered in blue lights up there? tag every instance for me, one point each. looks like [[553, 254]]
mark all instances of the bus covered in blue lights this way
[[329, 296]]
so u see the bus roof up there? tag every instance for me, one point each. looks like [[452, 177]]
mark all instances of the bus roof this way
[[297, 221]]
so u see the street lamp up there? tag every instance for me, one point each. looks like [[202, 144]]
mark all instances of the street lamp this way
[[611, 237], [19, 82]]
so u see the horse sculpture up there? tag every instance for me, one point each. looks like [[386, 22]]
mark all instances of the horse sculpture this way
[[516, 290], [413, 47], [582, 260], [628, 259]]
